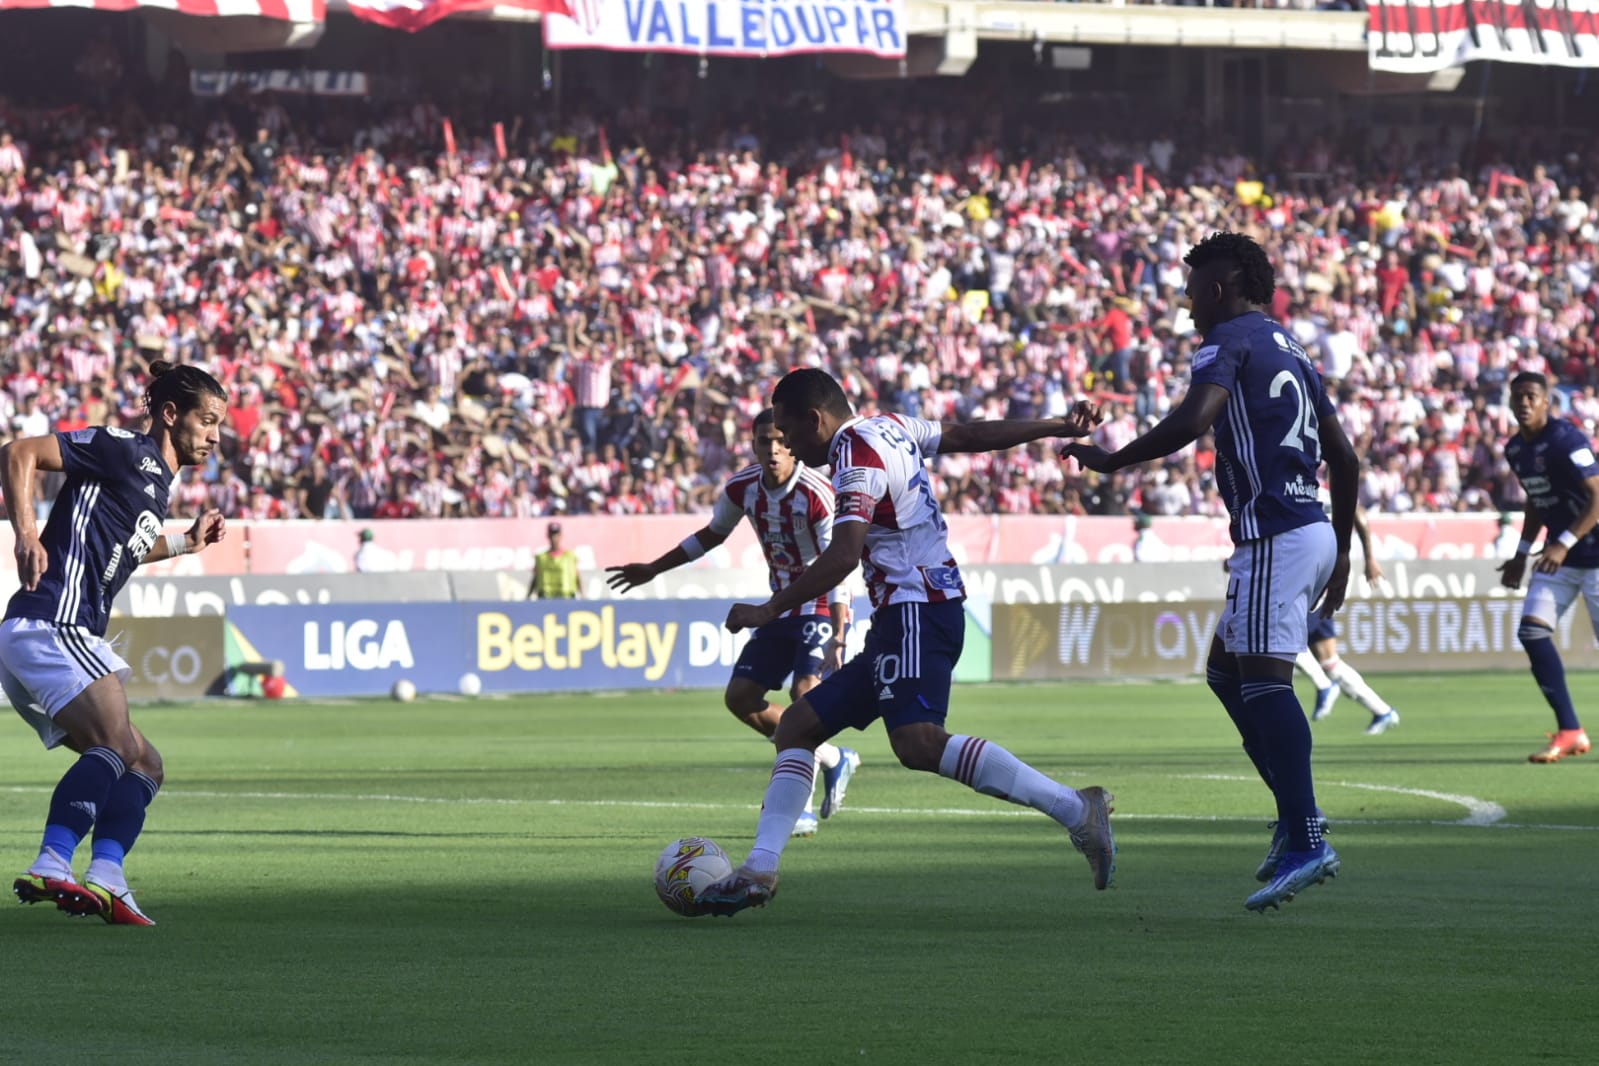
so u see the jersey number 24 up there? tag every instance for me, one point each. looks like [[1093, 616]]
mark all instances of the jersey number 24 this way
[[1304, 433]]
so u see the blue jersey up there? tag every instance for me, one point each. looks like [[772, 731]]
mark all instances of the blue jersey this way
[[1554, 468], [104, 522], [1268, 450]]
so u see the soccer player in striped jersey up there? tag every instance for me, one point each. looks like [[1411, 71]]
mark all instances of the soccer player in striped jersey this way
[[56, 667], [1254, 384], [790, 507], [1554, 461], [1321, 662], [889, 523]]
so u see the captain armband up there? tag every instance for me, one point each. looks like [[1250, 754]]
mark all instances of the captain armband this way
[[692, 547], [1568, 539], [1524, 548]]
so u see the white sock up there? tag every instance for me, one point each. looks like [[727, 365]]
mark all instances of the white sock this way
[[786, 796], [827, 754], [1355, 687], [107, 873], [988, 768], [50, 864], [1307, 664]]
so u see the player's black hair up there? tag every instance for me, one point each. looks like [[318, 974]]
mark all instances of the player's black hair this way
[[1256, 278], [767, 417], [1530, 377], [811, 389], [181, 384]]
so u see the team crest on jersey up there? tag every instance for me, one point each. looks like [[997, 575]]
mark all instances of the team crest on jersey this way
[[121, 433], [149, 465]]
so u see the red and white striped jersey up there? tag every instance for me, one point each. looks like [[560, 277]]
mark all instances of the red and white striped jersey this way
[[880, 477], [793, 522]]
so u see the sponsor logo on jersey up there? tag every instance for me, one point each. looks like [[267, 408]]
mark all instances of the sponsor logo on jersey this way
[[149, 465], [149, 490], [1300, 489], [81, 436], [1582, 457], [947, 578], [145, 530], [1205, 356]]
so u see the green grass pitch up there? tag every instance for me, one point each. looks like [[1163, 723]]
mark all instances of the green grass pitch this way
[[470, 882]]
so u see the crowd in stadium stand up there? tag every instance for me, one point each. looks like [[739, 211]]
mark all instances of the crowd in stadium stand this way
[[589, 324]]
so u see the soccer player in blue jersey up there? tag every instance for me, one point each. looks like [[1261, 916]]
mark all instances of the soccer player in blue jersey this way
[[1274, 426], [56, 667], [1554, 461]]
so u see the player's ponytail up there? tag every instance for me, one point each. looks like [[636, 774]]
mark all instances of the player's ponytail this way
[[181, 384]]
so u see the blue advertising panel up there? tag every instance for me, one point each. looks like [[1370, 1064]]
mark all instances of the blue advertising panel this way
[[359, 649], [540, 646]]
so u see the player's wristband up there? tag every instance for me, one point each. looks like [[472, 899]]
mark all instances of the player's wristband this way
[[692, 547], [1524, 548], [177, 544], [1568, 540]]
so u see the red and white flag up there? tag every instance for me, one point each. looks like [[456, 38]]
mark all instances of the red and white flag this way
[[413, 15]]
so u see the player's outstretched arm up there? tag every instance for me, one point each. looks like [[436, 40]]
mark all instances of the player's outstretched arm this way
[[1343, 482], [820, 578], [631, 576], [1196, 414], [209, 528], [1512, 570], [19, 462], [1000, 434]]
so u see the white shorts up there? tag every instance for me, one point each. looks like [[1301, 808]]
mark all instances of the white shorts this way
[[44, 666], [1550, 595], [1271, 585]]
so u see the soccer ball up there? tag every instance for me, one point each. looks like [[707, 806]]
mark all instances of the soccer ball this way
[[403, 691], [685, 869], [470, 684]]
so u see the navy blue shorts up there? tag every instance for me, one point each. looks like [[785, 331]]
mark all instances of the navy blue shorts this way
[[1320, 628], [903, 673], [782, 647]]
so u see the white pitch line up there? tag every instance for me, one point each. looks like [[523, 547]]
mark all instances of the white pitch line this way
[[1480, 812], [953, 812]]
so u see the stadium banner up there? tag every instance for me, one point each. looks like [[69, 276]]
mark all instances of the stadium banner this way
[[1041, 583], [171, 659], [510, 544], [302, 82], [1423, 36], [283, 10], [414, 15], [750, 28], [358, 649], [1039, 642], [191, 597], [362, 649]]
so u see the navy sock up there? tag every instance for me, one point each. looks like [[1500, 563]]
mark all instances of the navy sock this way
[[1226, 688], [123, 818], [1280, 722], [1550, 673], [79, 798]]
